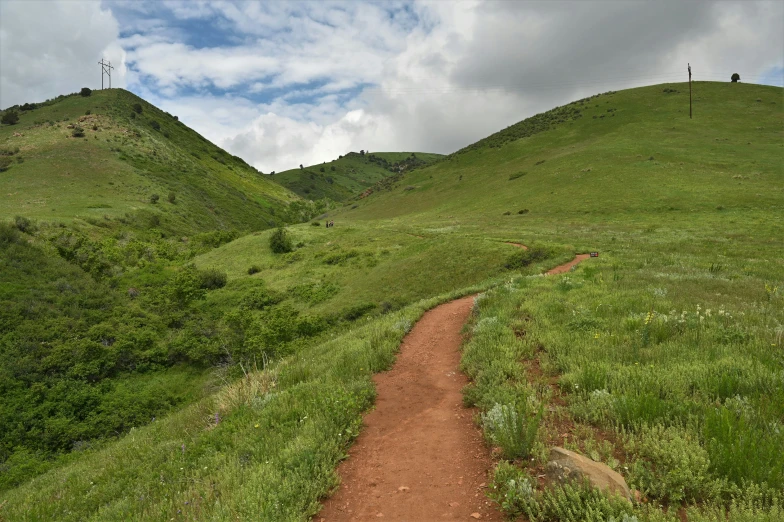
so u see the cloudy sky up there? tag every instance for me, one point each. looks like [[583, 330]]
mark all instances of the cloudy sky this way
[[284, 83]]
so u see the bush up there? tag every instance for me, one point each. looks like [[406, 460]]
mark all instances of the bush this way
[[172, 197], [523, 258], [77, 132], [321, 169], [513, 427], [8, 234], [154, 198], [254, 269], [137, 108], [155, 125], [260, 298], [280, 241], [10, 117], [212, 279], [86, 91], [133, 115], [5, 163], [735, 77], [23, 224], [316, 224]]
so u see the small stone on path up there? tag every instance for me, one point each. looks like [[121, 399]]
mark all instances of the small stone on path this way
[[476, 515]]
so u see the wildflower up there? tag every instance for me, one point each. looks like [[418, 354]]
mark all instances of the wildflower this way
[[596, 336], [708, 312]]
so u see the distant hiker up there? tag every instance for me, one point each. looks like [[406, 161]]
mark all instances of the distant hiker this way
[[331, 224]]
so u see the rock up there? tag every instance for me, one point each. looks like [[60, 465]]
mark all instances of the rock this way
[[567, 465], [476, 515], [403, 488]]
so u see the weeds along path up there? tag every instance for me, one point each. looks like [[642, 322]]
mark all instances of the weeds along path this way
[[420, 456]]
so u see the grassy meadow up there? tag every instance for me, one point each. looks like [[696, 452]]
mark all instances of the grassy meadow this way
[[663, 357]]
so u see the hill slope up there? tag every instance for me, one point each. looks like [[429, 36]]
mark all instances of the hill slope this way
[[662, 357], [350, 175], [124, 158]]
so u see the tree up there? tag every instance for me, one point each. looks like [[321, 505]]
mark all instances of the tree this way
[[10, 117], [735, 77], [137, 108], [280, 242], [86, 91], [301, 167], [361, 152]]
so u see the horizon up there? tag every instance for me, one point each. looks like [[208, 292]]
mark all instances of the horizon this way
[[283, 84]]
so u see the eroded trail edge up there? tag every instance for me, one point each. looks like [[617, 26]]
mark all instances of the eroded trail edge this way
[[420, 456]]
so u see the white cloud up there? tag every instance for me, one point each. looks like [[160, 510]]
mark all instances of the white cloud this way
[[51, 48], [340, 76]]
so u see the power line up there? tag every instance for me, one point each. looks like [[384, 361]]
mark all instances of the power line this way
[[106, 68]]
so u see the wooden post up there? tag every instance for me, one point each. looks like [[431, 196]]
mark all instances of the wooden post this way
[[689, 90]]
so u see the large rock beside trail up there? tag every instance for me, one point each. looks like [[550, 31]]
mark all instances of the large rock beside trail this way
[[565, 465]]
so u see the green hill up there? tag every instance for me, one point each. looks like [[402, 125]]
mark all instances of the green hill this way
[[351, 175], [123, 158], [662, 357]]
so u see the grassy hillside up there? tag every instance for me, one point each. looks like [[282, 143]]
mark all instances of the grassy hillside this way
[[350, 175], [123, 159], [662, 357]]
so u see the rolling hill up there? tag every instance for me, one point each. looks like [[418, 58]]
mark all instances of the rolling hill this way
[[662, 357], [351, 175], [128, 151]]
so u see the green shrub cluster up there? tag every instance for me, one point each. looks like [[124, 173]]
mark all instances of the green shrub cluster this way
[[280, 241]]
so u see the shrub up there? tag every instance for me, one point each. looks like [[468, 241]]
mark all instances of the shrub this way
[[155, 125], [133, 115], [5, 163], [137, 108], [280, 241], [735, 77], [254, 269], [513, 427], [8, 234], [86, 91], [332, 168], [23, 224], [212, 279], [154, 198], [172, 197], [523, 258], [77, 132], [517, 175], [10, 117], [95, 127], [523, 211], [260, 298]]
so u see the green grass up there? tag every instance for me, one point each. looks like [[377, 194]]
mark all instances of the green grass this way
[[122, 161], [685, 214], [352, 174]]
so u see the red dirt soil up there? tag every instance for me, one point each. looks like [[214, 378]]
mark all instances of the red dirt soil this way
[[420, 456], [568, 266]]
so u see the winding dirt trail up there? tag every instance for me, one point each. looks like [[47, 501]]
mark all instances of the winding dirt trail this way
[[420, 457]]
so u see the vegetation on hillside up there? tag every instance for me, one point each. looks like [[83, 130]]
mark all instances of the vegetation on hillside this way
[[662, 357], [351, 175]]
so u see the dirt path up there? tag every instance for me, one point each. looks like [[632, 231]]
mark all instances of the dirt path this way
[[567, 266], [419, 457]]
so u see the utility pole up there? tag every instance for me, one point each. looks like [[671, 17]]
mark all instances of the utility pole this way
[[689, 65], [106, 68]]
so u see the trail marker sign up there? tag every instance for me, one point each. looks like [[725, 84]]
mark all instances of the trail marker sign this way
[[594, 254]]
